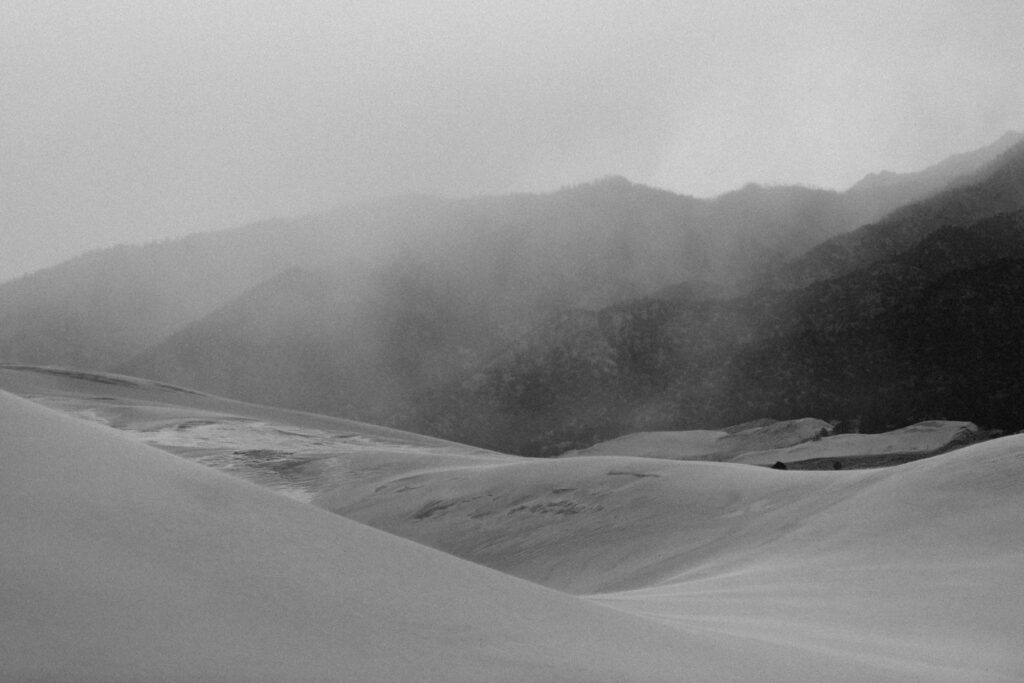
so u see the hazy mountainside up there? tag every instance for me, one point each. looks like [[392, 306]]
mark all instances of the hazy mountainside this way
[[952, 350], [100, 309], [890, 190], [934, 332], [97, 310], [312, 340], [995, 188], [432, 309], [292, 331], [529, 255], [366, 310]]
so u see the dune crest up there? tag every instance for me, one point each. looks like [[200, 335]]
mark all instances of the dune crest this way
[[922, 438], [123, 562], [709, 444]]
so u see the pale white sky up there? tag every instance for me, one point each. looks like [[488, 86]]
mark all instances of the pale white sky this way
[[136, 120]]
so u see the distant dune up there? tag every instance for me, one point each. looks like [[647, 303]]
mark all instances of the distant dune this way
[[122, 562], [789, 441], [706, 444], [923, 438]]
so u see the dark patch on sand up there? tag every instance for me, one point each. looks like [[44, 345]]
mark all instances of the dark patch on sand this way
[[638, 475]]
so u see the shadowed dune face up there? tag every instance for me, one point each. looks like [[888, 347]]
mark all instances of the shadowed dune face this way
[[126, 560]]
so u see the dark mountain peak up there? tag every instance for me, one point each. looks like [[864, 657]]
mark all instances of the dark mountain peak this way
[[1009, 139], [996, 187], [1009, 161], [948, 170]]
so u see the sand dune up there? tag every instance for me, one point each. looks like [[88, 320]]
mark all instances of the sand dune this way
[[285, 450], [923, 438], [924, 561], [786, 441], [122, 402], [709, 444], [125, 563], [918, 562], [693, 444], [121, 561]]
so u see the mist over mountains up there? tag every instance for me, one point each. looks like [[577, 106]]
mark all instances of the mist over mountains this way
[[533, 323], [457, 342], [934, 332]]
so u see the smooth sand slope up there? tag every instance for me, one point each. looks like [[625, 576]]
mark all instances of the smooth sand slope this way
[[714, 571], [922, 563], [124, 563]]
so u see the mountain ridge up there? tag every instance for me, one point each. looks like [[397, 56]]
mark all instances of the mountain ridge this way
[[845, 349], [444, 286], [996, 187]]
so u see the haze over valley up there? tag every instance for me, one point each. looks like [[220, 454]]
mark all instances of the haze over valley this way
[[537, 323]]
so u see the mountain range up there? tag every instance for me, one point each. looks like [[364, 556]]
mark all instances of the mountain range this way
[[934, 332], [535, 323]]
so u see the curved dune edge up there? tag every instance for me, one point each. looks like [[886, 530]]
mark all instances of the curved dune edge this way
[[59, 384], [709, 444], [923, 438], [919, 561], [914, 562], [276, 448], [895, 574], [786, 441], [125, 563]]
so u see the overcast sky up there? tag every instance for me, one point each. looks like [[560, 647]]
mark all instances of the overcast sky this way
[[131, 121]]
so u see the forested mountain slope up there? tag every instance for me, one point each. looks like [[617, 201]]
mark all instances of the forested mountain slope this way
[[934, 332]]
